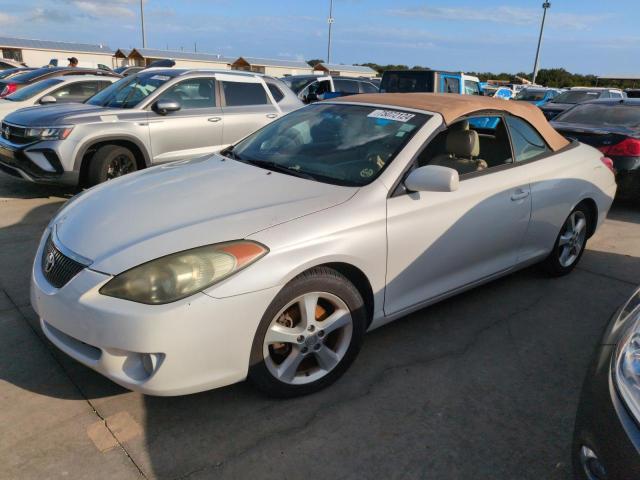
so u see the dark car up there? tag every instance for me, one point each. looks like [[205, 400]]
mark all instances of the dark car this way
[[613, 127], [576, 95], [12, 84], [126, 70], [606, 441], [633, 92], [12, 72], [311, 88]]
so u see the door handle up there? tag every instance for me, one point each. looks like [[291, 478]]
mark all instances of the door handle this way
[[272, 115], [214, 119], [519, 195]]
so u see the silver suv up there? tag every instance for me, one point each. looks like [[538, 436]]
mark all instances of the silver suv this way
[[155, 116]]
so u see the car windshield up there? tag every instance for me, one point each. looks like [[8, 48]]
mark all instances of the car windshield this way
[[339, 144], [603, 115], [531, 95], [576, 96], [129, 91], [297, 84]]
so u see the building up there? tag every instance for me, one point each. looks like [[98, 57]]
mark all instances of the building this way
[[121, 57], [345, 70], [144, 57], [39, 53], [272, 67]]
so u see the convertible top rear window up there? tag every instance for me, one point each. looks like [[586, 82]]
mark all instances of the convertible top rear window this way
[[340, 144]]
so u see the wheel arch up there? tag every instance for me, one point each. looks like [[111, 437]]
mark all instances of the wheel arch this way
[[86, 152], [592, 207]]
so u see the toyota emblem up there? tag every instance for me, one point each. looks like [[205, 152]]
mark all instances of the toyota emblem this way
[[49, 263]]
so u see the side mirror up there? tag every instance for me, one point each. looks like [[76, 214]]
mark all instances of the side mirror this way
[[162, 107], [48, 99], [432, 178]]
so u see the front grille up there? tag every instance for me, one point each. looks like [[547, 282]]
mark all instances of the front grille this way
[[57, 268], [15, 134]]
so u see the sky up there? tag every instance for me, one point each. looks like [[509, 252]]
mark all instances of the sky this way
[[583, 36]]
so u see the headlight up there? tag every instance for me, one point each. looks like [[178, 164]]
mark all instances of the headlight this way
[[627, 359], [49, 133], [179, 275]]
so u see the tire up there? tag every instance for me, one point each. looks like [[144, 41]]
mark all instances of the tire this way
[[570, 243], [316, 358], [109, 162]]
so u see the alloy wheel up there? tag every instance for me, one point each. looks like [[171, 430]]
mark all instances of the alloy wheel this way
[[572, 240], [308, 338], [120, 165]]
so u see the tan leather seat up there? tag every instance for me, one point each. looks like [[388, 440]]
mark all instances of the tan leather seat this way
[[462, 146]]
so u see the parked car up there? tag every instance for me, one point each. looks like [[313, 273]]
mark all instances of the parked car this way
[[633, 92], [537, 96], [7, 63], [69, 89], [576, 95], [495, 91], [155, 116], [376, 82], [433, 81], [11, 72], [311, 88], [606, 442], [126, 70], [613, 127], [15, 83], [271, 259]]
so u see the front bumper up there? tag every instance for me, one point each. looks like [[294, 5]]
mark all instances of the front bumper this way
[[35, 162], [604, 425], [184, 347]]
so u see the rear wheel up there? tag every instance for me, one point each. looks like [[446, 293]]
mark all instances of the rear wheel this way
[[570, 243], [109, 162], [309, 335]]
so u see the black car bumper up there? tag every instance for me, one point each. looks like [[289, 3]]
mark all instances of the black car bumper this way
[[605, 427], [14, 161], [627, 177]]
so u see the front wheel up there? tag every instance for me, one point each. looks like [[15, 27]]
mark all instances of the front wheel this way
[[309, 335], [570, 244], [109, 162]]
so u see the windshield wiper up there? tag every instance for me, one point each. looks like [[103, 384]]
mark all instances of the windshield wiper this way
[[276, 167]]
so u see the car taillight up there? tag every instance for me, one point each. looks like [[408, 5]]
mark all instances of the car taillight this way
[[8, 89], [629, 147], [608, 163]]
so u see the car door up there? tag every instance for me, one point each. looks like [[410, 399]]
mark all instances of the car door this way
[[440, 242], [195, 129], [247, 106], [77, 92]]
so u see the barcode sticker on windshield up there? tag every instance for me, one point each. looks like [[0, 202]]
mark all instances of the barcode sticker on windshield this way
[[391, 115]]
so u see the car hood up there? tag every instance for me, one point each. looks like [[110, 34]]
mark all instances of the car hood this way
[[146, 215], [51, 115]]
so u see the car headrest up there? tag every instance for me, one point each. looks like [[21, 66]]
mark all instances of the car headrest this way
[[463, 143], [461, 125], [205, 89]]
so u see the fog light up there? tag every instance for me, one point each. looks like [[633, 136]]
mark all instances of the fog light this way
[[151, 361], [592, 465]]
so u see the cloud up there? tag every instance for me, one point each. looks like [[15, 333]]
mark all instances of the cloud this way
[[6, 19], [102, 8], [501, 14]]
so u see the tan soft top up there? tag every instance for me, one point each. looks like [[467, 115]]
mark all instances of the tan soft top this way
[[452, 106]]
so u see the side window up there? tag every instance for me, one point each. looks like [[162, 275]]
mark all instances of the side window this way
[[468, 146], [192, 93], [527, 143], [451, 85], [240, 94], [366, 87], [471, 87], [346, 86], [275, 92], [76, 92], [615, 94]]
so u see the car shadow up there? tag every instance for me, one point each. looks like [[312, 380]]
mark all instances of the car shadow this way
[[482, 385], [16, 188]]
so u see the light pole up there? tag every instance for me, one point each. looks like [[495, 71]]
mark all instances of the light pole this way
[[330, 22], [144, 41], [545, 5]]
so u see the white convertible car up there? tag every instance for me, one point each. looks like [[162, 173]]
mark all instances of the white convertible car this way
[[271, 260]]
